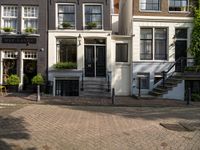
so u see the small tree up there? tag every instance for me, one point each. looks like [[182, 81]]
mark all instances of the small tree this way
[[38, 80], [195, 42], [13, 80]]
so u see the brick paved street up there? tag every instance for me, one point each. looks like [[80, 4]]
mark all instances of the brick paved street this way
[[49, 127]]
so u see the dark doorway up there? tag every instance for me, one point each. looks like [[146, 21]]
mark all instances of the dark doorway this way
[[180, 51], [100, 61], [30, 70], [67, 88], [89, 61], [95, 54]]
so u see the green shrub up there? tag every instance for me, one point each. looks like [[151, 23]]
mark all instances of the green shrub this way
[[7, 29], [92, 25], [196, 97], [29, 30], [13, 80], [193, 69], [65, 65], [38, 79], [66, 25]]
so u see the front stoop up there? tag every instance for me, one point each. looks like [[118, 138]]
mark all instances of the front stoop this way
[[95, 87]]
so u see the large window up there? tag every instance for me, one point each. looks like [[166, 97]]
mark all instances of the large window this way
[[151, 5], [67, 50], [66, 16], [30, 18], [178, 5], [93, 16], [121, 52], [153, 44], [9, 17]]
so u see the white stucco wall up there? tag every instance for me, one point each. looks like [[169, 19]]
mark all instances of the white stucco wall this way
[[115, 22], [155, 66], [121, 71], [177, 92]]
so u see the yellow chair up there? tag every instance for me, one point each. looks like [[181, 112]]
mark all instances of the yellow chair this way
[[3, 90]]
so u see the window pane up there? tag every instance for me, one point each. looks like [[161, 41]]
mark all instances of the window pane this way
[[144, 80], [93, 14], [150, 4], [66, 50], [181, 33], [66, 16], [178, 5], [121, 52]]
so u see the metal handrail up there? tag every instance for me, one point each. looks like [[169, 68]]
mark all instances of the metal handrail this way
[[164, 73], [108, 81]]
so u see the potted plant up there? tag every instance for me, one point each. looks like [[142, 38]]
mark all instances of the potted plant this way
[[7, 29], [65, 65], [91, 25], [29, 30], [66, 25], [13, 82], [38, 80]]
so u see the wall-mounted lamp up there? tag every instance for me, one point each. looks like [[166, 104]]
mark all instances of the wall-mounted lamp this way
[[41, 49], [79, 39], [16, 54]]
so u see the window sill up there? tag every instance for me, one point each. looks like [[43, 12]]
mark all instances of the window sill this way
[[179, 12], [150, 11], [122, 63]]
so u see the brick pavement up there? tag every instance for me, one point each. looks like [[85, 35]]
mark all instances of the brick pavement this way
[[48, 127]]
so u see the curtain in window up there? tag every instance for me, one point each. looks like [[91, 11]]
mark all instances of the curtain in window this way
[[160, 44], [93, 14], [66, 13], [146, 44]]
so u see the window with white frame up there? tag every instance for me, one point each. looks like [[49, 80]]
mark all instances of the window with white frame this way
[[121, 52], [10, 54], [143, 80], [93, 16], [9, 18], [66, 16], [30, 16], [30, 55], [178, 5], [153, 44], [151, 5]]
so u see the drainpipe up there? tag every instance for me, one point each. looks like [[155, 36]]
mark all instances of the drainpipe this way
[[125, 17]]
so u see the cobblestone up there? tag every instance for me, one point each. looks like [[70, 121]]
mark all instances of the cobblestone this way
[[48, 127]]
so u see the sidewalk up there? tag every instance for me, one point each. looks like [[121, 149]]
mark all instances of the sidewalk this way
[[20, 98]]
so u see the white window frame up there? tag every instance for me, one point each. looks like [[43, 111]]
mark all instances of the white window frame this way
[[23, 17], [13, 52], [159, 10], [31, 53], [56, 15], [187, 11], [2, 15], [153, 42], [97, 4]]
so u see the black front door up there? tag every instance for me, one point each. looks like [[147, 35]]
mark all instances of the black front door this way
[[180, 51], [89, 61], [100, 61], [95, 61]]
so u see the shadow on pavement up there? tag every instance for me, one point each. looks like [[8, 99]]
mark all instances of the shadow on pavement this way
[[12, 129]]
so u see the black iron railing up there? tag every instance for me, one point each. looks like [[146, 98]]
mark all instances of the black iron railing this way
[[180, 65]]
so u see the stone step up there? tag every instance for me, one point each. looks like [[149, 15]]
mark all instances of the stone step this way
[[153, 93], [96, 94]]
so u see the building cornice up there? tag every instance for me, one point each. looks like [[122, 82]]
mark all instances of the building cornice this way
[[162, 19]]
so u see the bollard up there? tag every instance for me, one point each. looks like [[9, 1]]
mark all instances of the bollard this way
[[139, 86], [113, 96], [38, 92], [189, 96]]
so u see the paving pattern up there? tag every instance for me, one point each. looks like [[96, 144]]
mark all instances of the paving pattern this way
[[47, 127]]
